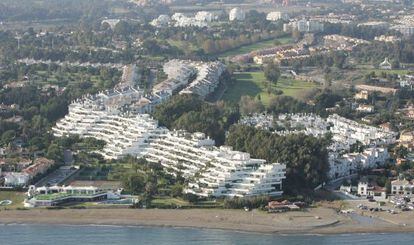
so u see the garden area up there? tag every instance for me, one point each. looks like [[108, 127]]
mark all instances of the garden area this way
[[255, 84]]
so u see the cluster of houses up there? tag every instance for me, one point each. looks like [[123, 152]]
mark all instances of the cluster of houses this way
[[340, 42], [345, 134], [399, 190], [301, 51], [19, 173]]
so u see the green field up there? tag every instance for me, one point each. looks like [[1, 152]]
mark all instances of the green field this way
[[379, 71], [256, 46], [16, 197], [369, 68], [168, 202], [254, 84]]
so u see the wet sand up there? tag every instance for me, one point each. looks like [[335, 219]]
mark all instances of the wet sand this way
[[312, 221]]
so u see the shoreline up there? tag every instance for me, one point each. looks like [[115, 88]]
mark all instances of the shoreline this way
[[304, 222]]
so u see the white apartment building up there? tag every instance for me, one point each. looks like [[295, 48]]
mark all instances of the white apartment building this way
[[277, 15], [352, 163], [179, 72], [304, 25], [214, 171], [181, 20], [344, 131], [237, 14], [204, 77], [402, 187], [124, 134], [162, 21], [16, 179], [349, 131], [201, 19], [207, 80], [204, 16], [102, 117]]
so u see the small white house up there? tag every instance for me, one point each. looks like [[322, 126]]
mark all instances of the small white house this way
[[237, 14], [15, 179], [385, 65], [371, 191]]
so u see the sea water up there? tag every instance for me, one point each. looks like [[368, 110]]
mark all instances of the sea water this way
[[114, 235]]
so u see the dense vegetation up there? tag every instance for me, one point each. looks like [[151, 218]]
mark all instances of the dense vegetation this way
[[306, 157], [189, 112]]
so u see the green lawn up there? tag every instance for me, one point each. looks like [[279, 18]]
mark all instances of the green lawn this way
[[254, 84], [256, 46], [16, 197], [169, 201]]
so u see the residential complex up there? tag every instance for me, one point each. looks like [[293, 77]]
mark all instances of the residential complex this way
[[345, 133], [22, 178], [214, 171], [118, 116], [345, 130], [123, 134], [189, 77], [351, 163]]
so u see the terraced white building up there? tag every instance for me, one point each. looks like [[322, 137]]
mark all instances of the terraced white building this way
[[345, 130], [102, 117], [190, 77], [207, 80], [124, 134], [119, 117], [214, 171]]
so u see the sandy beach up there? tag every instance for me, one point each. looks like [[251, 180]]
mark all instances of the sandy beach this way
[[313, 221]]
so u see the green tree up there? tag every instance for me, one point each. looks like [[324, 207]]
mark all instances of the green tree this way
[[133, 183], [401, 151], [177, 190], [306, 157], [272, 72], [249, 105], [54, 152], [8, 136]]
